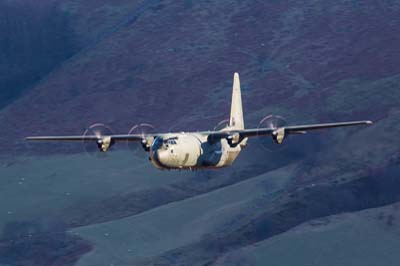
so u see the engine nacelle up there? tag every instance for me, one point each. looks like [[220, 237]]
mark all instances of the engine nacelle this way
[[233, 140], [104, 143], [279, 135], [147, 142]]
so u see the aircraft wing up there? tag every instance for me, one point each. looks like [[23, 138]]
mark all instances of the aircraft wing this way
[[301, 129], [83, 137], [104, 142], [212, 135], [296, 129]]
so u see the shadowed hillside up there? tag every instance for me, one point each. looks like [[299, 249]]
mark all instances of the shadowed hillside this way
[[175, 60], [35, 38], [171, 63], [39, 243]]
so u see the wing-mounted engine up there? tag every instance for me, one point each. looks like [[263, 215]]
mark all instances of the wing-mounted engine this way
[[103, 141], [236, 139], [147, 142], [279, 135], [144, 130], [233, 139], [277, 125]]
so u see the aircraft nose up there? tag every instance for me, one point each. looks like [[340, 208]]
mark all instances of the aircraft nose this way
[[161, 155]]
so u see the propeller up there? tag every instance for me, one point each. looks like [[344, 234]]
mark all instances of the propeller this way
[[277, 123], [138, 147], [221, 125], [103, 143]]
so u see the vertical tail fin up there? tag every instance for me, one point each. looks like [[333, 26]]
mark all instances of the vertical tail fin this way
[[236, 120]]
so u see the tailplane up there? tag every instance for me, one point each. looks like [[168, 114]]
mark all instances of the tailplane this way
[[236, 121]]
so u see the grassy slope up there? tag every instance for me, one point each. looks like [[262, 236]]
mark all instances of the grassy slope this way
[[54, 184], [38, 193], [309, 62], [158, 230], [363, 238]]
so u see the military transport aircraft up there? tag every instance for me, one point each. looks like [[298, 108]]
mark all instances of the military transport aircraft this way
[[207, 149]]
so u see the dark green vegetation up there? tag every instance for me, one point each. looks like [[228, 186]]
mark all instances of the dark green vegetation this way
[[171, 63]]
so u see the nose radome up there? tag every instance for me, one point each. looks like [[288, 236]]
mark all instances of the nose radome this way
[[162, 155]]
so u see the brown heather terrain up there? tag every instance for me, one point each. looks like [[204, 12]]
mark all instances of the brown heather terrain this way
[[170, 63]]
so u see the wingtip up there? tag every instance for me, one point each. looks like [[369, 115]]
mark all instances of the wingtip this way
[[369, 122]]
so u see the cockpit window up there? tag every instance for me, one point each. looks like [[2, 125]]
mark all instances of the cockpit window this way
[[170, 141], [158, 142]]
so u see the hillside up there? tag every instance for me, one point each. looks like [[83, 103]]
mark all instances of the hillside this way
[[170, 63], [175, 60], [36, 38]]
